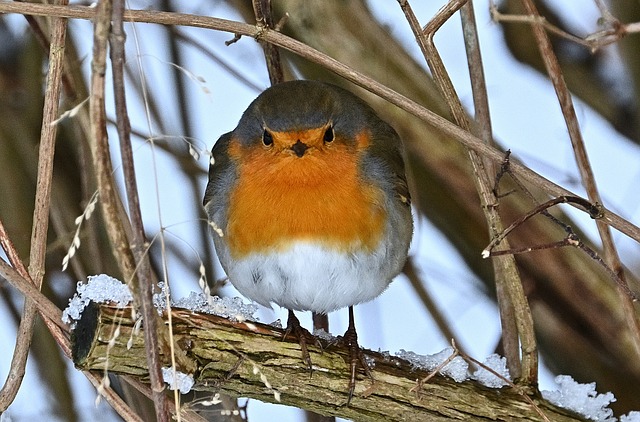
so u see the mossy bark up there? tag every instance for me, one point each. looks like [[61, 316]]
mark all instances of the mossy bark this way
[[248, 359]]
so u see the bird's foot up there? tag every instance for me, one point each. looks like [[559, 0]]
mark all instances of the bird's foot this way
[[303, 336], [356, 357]]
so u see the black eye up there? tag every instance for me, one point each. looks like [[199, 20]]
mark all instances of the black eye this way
[[328, 135], [267, 139]]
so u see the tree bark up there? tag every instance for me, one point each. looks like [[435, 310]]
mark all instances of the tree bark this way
[[250, 359]]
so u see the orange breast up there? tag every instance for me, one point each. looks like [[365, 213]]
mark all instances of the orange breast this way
[[280, 198]]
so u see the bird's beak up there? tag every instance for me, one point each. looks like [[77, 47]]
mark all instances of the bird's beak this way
[[299, 148]]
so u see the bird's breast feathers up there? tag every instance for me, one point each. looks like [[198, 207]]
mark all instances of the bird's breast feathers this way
[[320, 197]]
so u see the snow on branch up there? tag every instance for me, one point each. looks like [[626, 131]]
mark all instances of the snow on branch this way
[[245, 358]]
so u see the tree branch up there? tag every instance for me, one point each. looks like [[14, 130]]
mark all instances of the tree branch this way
[[515, 314], [144, 285], [587, 177], [38, 247], [248, 359]]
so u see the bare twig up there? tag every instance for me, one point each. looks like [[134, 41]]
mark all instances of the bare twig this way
[[47, 309], [522, 391], [235, 39], [506, 271], [207, 52], [301, 49], [11, 252], [46, 152], [41, 213], [571, 240], [593, 210], [264, 20], [586, 173], [613, 31], [476, 71], [436, 370], [25, 330], [144, 286], [100, 147], [118, 404], [511, 299]]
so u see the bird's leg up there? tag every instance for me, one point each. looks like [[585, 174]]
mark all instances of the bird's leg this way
[[294, 327], [356, 356]]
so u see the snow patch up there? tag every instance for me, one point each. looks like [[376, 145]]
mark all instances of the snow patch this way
[[487, 378], [177, 380], [98, 288], [633, 416], [105, 289], [457, 369], [227, 307], [582, 398], [321, 333]]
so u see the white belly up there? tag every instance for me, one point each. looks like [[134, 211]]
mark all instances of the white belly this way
[[307, 277]]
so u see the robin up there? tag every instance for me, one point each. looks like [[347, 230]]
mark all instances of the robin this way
[[310, 197]]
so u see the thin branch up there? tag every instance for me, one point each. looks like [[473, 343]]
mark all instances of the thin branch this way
[[522, 391], [25, 330], [476, 72], [42, 206], [204, 49], [511, 299], [116, 402], [527, 249], [100, 147], [571, 239], [47, 309], [506, 271], [48, 133], [420, 383], [301, 49], [264, 20], [586, 173], [144, 286], [593, 211], [613, 32]]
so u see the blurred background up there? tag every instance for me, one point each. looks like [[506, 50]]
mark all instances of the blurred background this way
[[186, 87]]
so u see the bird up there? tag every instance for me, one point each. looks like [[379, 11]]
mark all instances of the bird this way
[[310, 204]]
